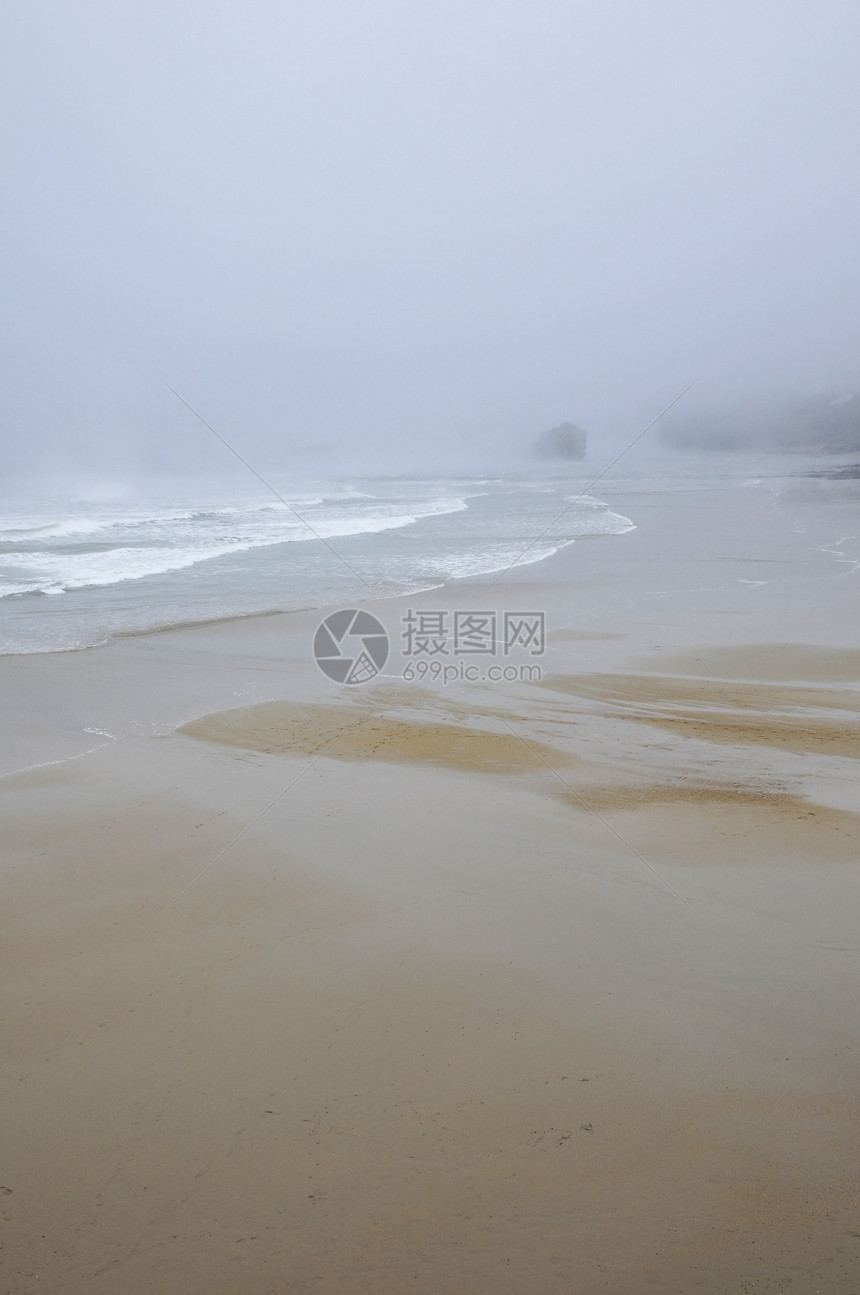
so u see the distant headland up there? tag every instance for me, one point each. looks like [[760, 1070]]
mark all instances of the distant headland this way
[[824, 423]]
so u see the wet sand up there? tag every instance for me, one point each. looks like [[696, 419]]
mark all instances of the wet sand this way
[[366, 733], [540, 988], [799, 719]]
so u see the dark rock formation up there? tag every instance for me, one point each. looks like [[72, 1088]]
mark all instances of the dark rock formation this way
[[567, 441]]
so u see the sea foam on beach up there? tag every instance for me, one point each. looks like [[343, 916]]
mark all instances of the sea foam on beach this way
[[197, 551]]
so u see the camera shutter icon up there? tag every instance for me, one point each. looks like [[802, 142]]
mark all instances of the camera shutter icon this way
[[351, 646]]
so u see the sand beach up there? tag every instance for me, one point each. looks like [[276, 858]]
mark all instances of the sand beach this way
[[537, 986]]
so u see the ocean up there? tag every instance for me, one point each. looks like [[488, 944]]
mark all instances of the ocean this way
[[77, 570]]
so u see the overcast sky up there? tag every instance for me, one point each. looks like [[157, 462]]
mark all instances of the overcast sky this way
[[399, 224]]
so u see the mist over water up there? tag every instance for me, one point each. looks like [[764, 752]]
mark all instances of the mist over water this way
[[373, 238], [380, 249]]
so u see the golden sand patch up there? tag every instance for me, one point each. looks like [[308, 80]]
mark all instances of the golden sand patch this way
[[723, 823], [775, 662], [657, 690], [282, 728], [641, 797], [730, 712], [840, 739]]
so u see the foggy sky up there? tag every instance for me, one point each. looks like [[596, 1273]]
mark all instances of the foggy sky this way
[[426, 230]]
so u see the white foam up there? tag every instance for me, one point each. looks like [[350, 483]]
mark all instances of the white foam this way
[[67, 759], [141, 548], [498, 558], [54, 571]]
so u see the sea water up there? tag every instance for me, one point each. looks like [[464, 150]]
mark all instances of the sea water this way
[[79, 568]]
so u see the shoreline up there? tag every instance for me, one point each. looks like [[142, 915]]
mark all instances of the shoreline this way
[[546, 986], [819, 470], [609, 599], [156, 572]]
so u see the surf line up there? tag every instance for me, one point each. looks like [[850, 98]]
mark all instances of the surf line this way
[[66, 759]]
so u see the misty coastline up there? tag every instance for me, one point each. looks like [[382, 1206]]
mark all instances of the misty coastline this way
[[825, 423], [430, 648]]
